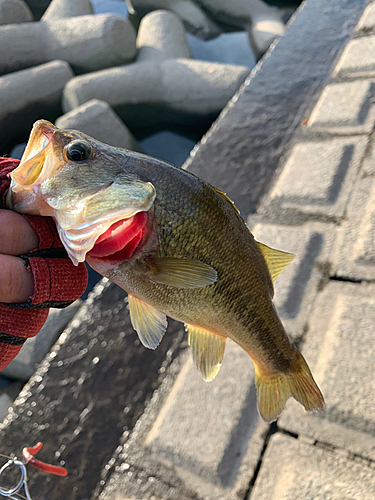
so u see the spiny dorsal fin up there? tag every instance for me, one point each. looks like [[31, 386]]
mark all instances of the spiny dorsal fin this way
[[276, 259], [148, 322], [227, 198], [207, 350], [182, 273]]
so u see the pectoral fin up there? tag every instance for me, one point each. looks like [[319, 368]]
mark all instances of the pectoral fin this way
[[207, 350], [148, 322], [182, 273], [276, 259]]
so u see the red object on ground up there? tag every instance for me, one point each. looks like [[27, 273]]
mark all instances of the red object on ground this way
[[57, 282], [28, 455]]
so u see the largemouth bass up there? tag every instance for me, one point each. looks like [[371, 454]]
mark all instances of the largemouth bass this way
[[177, 245]]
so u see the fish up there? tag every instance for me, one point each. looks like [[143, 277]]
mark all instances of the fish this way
[[177, 245]]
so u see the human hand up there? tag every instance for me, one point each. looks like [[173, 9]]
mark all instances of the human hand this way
[[17, 237], [35, 273]]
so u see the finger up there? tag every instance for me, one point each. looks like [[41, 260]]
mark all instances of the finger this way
[[16, 235], [16, 282]]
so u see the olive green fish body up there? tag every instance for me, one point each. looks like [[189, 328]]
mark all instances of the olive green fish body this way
[[178, 247], [192, 220]]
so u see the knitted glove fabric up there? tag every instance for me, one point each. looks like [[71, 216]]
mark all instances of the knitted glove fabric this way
[[57, 282]]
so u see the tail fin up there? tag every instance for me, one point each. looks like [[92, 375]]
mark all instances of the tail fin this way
[[274, 390]]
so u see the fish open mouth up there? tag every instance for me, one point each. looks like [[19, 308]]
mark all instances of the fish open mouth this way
[[121, 240], [103, 217]]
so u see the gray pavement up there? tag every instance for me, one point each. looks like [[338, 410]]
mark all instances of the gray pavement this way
[[332, 455]]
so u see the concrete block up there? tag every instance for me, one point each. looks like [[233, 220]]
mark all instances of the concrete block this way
[[14, 11], [97, 118], [354, 255], [294, 470], [263, 22], [87, 43], [173, 91], [317, 181], [339, 349], [35, 349], [27, 95], [264, 30], [297, 287], [193, 17], [358, 59], [161, 35], [168, 146], [367, 22], [345, 108], [209, 436], [228, 48], [38, 7], [61, 9]]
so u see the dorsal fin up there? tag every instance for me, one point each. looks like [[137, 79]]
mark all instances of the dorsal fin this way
[[207, 350], [227, 198], [276, 259]]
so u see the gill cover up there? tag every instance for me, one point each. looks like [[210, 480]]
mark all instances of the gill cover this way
[[84, 196]]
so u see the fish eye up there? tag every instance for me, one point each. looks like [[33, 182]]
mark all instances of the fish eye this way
[[78, 151]]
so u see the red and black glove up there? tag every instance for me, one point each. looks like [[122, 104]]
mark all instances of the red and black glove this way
[[57, 282]]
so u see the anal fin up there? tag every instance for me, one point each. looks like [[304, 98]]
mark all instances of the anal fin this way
[[207, 350], [148, 322]]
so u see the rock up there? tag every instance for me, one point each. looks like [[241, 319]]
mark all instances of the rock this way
[[14, 11], [87, 43], [35, 349], [161, 36], [175, 91], [194, 19], [97, 118], [28, 95], [61, 9]]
